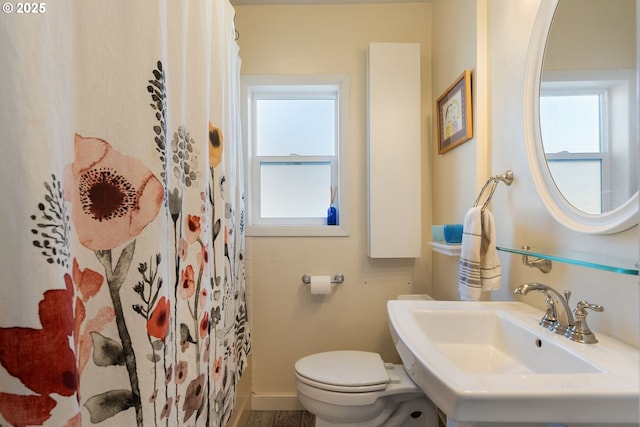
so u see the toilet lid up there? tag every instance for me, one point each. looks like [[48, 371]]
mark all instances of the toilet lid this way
[[344, 368]]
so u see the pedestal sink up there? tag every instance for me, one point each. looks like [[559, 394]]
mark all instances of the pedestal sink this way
[[492, 362]]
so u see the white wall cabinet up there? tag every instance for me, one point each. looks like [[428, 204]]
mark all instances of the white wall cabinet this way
[[393, 150]]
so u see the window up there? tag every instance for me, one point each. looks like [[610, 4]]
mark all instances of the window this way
[[295, 129], [573, 130], [587, 121]]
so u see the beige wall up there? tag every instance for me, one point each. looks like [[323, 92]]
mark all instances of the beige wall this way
[[491, 38], [574, 44], [518, 211], [287, 322], [454, 172]]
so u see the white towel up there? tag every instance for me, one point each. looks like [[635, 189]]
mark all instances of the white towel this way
[[479, 263]]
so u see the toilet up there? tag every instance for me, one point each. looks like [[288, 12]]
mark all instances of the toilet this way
[[357, 389]]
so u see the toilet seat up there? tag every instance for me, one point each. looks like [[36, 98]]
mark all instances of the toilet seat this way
[[343, 371]]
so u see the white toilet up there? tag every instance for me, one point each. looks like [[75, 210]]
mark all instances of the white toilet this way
[[357, 389]]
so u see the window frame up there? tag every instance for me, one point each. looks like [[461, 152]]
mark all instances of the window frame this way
[[316, 86], [569, 88]]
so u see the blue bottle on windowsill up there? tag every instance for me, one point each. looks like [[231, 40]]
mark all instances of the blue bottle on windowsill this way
[[332, 216]]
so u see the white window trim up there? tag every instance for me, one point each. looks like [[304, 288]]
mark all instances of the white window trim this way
[[249, 83], [566, 88]]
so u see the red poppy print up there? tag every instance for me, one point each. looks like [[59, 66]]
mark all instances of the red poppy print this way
[[202, 299], [166, 409], [183, 249], [203, 257], [22, 411], [182, 369], [158, 323], [187, 283], [113, 196], [193, 398], [217, 368], [204, 325], [41, 359], [192, 223]]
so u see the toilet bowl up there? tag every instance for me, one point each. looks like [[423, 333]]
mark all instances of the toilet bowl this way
[[357, 389]]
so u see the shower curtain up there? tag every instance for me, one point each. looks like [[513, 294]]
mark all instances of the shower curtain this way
[[122, 297]]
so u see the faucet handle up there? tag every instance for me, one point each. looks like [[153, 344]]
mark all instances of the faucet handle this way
[[581, 332], [550, 317], [567, 294], [583, 304]]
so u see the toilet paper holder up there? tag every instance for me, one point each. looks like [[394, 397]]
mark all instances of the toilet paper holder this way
[[337, 279]]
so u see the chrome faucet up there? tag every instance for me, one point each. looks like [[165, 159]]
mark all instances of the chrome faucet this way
[[550, 319], [581, 332]]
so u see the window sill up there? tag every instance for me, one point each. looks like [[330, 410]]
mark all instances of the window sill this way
[[300, 231]]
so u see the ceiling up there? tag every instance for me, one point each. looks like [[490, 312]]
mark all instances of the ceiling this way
[[317, 2]]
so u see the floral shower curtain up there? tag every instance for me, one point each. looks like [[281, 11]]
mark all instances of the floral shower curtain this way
[[122, 297]]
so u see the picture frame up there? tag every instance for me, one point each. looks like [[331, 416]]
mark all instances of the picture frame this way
[[455, 124]]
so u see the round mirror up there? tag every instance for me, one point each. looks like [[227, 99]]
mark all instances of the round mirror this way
[[581, 112]]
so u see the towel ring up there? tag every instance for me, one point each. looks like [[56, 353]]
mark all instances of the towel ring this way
[[506, 177]]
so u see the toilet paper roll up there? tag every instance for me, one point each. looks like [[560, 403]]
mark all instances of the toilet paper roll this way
[[320, 285]]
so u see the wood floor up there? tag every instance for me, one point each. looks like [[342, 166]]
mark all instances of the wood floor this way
[[297, 419], [280, 419]]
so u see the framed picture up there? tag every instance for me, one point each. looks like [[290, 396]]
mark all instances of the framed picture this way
[[454, 114]]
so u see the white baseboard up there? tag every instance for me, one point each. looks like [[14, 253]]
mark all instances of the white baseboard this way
[[277, 402]]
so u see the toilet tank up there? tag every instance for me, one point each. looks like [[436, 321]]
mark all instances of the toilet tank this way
[[415, 297]]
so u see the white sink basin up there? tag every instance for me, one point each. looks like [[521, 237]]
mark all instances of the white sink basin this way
[[492, 362]]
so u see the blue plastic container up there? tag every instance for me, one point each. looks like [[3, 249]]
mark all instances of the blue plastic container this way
[[453, 233]]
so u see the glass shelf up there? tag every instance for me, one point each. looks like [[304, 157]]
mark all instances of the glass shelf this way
[[600, 262]]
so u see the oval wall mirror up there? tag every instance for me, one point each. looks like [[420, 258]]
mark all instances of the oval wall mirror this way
[[581, 112]]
